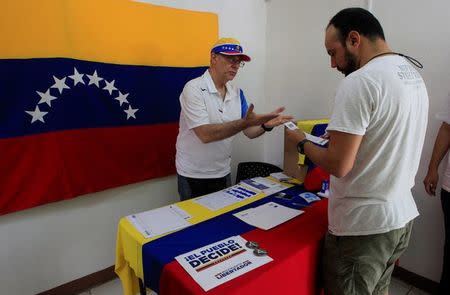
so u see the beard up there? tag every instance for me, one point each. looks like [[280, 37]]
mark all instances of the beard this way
[[350, 64]]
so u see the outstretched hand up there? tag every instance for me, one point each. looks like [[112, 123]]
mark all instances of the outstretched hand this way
[[271, 119], [277, 121], [253, 119]]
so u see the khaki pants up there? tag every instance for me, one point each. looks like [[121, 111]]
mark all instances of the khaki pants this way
[[362, 265]]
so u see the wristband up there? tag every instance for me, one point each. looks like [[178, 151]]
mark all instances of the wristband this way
[[267, 129], [301, 146]]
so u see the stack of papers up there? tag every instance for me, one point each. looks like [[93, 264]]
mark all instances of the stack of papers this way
[[264, 185], [280, 176], [160, 221], [221, 199], [267, 216]]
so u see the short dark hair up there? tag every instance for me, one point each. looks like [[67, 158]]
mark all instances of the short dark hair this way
[[356, 19]]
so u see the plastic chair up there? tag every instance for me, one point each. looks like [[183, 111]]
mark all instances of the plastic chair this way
[[246, 170]]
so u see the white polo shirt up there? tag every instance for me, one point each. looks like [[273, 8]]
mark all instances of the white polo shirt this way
[[202, 104], [386, 102]]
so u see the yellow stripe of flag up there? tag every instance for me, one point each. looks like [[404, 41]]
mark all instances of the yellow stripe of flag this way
[[110, 31]]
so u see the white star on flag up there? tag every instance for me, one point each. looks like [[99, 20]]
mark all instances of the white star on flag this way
[[130, 112], [37, 115], [122, 98], [110, 86], [46, 97], [94, 79], [77, 77], [60, 84]]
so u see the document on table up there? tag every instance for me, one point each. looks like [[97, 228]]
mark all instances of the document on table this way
[[221, 262], [281, 177], [226, 197], [264, 185], [160, 221], [267, 216]]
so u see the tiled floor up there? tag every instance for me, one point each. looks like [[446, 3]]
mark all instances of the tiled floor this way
[[115, 288]]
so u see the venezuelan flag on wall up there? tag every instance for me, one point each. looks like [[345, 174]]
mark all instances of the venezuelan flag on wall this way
[[89, 94]]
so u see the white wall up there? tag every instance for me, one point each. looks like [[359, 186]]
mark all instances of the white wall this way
[[50, 245], [299, 76]]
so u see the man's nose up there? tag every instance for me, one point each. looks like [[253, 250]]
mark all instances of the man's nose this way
[[333, 63]]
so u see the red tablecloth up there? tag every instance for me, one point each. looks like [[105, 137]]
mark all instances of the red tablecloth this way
[[296, 248]]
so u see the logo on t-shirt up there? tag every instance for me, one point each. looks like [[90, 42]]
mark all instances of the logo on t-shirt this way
[[409, 74]]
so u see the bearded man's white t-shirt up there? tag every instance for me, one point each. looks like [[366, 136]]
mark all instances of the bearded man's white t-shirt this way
[[386, 102]]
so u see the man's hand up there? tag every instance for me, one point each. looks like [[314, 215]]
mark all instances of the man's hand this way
[[326, 135], [281, 119], [251, 125], [440, 148], [430, 181], [295, 136], [253, 119]]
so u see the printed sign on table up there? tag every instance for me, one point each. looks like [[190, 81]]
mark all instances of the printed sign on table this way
[[221, 261]]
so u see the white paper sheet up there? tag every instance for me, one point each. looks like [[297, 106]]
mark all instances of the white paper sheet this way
[[160, 221], [220, 262], [291, 125], [221, 199], [267, 216]]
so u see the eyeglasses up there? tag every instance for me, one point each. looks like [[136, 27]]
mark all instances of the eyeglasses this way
[[234, 60], [256, 250]]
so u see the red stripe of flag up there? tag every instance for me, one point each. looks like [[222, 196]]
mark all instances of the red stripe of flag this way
[[76, 162]]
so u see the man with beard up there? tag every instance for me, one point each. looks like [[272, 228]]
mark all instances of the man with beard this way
[[213, 111], [376, 134]]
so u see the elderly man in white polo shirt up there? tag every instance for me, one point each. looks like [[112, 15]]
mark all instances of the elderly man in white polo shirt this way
[[213, 111]]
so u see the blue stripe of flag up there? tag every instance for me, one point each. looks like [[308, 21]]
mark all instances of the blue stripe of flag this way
[[59, 92]]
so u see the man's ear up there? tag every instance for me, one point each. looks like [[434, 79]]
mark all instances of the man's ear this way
[[213, 58], [353, 38]]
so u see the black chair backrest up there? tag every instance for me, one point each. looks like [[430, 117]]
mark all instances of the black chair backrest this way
[[246, 170]]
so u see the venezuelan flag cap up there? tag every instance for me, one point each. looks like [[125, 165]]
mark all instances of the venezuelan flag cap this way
[[229, 46]]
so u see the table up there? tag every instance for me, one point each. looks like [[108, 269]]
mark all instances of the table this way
[[295, 247]]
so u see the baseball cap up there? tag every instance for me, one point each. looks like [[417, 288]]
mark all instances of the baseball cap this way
[[229, 46]]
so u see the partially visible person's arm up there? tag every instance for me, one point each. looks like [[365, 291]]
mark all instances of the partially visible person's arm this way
[[440, 148], [338, 158]]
